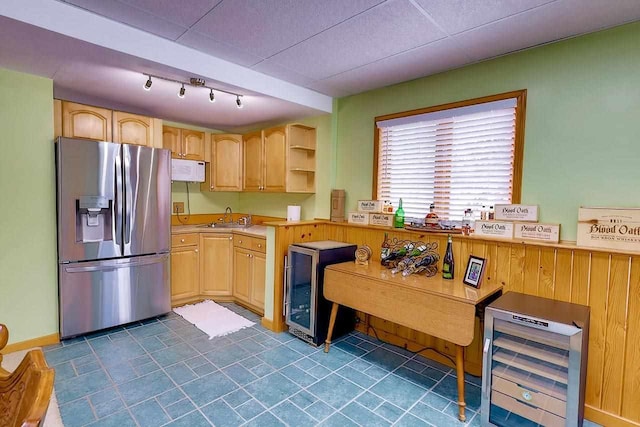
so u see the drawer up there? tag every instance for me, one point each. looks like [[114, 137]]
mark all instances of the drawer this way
[[251, 243], [530, 397], [187, 239], [534, 414]]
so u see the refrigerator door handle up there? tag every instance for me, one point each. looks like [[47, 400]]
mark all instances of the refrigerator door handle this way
[[113, 265], [116, 228], [128, 199]]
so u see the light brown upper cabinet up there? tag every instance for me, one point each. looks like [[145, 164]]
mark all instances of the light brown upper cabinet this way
[[265, 155], [301, 164], [83, 121], [224, 172], [135, 129], [73, 120], [184, 143]]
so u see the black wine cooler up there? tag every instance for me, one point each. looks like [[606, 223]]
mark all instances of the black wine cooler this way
[[305, 308]]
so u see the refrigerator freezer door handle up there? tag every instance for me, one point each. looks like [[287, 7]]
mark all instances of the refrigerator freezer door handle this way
[[113, 265], [116, 227], [128, 197]]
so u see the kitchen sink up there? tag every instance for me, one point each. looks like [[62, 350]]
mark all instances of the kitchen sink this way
[[223, 225]]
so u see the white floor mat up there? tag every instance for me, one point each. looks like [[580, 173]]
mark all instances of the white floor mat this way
[[213, 319]]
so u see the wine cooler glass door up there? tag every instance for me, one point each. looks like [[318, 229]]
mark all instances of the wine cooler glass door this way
[[301, 290]]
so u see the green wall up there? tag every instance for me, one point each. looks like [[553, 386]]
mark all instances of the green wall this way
[[582, 141], [28, 258]]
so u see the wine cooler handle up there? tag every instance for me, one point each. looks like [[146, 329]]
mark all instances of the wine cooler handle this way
[[486, 367], [286, 286]]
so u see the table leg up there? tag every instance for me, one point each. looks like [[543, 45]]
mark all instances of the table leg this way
[[460, 378], [332, 322]]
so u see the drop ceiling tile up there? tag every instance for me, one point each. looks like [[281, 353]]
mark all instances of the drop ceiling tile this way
[[202, 43], [422, 61], [385, 30], [455, 16], [266, 27], [555, 21], [132, 16], [183, 12], [282, 73]]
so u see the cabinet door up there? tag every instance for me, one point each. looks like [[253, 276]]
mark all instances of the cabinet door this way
[[185, 272], [84, 121], [226, 163], [132, 129], [216, 272], [258, 269], [253, 166], [171, 140], [275, 155], [242, 274], [192, 144]]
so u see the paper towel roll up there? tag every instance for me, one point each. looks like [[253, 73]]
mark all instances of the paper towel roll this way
[[293, 213]]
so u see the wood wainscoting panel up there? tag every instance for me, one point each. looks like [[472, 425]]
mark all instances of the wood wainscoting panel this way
[[607, 281], [631, 371]]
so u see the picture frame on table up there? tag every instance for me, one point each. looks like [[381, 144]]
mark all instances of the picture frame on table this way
[[474, 272]]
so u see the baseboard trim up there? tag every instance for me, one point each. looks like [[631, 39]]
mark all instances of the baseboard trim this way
[[35, 342], [607, 419]]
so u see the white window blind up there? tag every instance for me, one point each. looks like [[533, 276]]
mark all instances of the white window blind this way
[[457, 159]]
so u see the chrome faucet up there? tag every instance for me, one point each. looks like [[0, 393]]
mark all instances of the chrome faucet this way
[[228, 212]]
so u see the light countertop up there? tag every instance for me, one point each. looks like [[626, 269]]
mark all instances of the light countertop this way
[[254, 230]]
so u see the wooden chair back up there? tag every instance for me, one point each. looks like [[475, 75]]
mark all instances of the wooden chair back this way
[[25, 392]]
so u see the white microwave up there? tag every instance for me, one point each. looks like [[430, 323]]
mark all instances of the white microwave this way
[[187, 170]]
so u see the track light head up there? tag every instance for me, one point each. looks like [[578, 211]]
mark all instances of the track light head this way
[[182, 91], [147, 85], [238, 102], [212, 97]]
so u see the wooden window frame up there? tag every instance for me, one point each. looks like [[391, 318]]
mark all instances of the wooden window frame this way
[[518, 149]]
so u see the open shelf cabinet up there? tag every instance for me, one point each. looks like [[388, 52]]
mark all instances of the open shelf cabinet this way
[[301, 162]]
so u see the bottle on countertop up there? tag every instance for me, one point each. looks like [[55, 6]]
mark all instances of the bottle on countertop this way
[[448, 266], [484, 213], [398, 218], [467, 219], [387, 208], [492, 213], [386, 248], [431, 220]]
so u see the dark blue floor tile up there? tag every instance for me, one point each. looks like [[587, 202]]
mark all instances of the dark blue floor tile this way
[[110, 407], [280, 356], [369, 400], [265, 420], [208, 388], [292, 415], [221, 415], [180, 408], [298, 376], [303, 399], [239, 374], [167, 398], [363, 416], [149, 414], [338, 420], [384, 358], [81, 386], [435, 401], [227, 355], [398, 391], [350, 348], [236, 398], [193, 419], [177, 353], [272, 389], [415, 377], [334, 359], [250, 409], [180, 373], [389, 412], [409, 420], [357, 377], [448, 387], [430, 415], [119, 419], [335, 390], [319, 410], [67, 353], [77, 413], [142, 388]]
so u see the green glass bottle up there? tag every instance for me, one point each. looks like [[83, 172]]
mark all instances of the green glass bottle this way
[[448, 266], [398, 218]]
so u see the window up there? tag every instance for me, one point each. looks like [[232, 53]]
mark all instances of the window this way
[[457, 156]]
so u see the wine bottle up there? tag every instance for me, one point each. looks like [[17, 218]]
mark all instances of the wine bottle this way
[[385, 247], [398, 218], [448, 266], [431, 220]]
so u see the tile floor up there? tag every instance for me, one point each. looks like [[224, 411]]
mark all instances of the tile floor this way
[[165, 371]]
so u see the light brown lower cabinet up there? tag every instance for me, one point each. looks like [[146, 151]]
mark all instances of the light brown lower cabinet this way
[[185, 267], [216, 266], [224, 267]]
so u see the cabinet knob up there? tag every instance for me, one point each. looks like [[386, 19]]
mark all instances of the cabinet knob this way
[[248, 255], [239, 241], [259, 245], [230, 238], [181, 240], [196, 250]]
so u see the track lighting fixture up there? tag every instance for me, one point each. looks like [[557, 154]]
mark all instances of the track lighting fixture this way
[[194, 82]]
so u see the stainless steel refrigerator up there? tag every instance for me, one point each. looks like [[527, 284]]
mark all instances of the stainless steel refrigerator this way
[[114, 233]]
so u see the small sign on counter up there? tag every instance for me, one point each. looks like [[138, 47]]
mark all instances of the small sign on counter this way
[[361, 218], [610, 228], [516, 213], [385, 220], [538, 232], [494, 229], [370, 206]]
